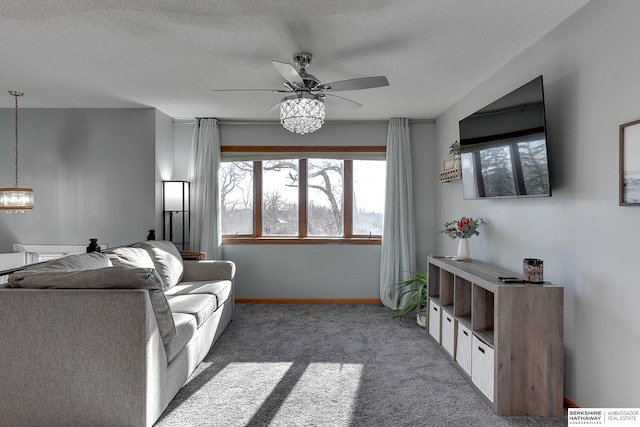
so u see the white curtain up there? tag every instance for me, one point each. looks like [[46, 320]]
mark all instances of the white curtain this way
[[204, 165], [398, 259]]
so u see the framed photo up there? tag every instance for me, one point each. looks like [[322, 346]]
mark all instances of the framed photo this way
[[630, 164]]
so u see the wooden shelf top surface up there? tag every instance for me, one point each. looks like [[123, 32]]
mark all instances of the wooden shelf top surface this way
[[482, 273]]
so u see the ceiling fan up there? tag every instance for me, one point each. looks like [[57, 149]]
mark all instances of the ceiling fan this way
[[303, 110]]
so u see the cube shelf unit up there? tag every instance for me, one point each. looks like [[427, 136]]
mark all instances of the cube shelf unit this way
[[506, 339]]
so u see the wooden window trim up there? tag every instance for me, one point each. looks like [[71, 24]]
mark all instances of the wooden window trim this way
[[293, 240], [302, 149], [347, 200], [303, 238], [303, 199]]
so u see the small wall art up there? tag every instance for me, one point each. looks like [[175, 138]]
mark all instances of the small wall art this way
[[630, 164]]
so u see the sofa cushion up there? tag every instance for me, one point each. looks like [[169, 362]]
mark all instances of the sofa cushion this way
[[199, 305], [186, 325], [166, 259], [88, 261], [221, 289], [104, 278], [131, 257]]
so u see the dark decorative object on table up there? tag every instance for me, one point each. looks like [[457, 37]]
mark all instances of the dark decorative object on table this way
[[151, 235], [93, 246], [532, 270]]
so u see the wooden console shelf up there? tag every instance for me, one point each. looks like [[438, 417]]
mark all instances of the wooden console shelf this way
[[506, 339]]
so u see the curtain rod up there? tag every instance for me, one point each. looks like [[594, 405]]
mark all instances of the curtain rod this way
[[258, 122]]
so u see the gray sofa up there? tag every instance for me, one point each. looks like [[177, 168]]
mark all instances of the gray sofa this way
[[107, 340]]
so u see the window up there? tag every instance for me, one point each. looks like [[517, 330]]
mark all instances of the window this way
[[236, 197], [302, 194], [324, 197], [369, 182], [280, 198]]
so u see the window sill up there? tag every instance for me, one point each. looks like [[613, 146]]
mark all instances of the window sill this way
[[229, 240]]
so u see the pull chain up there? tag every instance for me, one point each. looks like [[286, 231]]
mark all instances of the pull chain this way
[[16, 94]]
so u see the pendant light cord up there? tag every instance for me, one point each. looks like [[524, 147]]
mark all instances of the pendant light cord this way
[[16, 96]]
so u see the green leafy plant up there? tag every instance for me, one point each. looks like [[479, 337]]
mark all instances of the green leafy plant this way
[[462, 228], [416, 290], [454, 149]]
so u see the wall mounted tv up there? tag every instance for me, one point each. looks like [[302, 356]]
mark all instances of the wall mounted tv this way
[[504, 147]]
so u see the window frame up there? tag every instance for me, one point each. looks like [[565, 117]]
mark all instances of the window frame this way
[[303, 237]]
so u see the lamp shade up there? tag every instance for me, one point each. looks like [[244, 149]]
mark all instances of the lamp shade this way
[[16, 199], [176, 196], [302, 115]]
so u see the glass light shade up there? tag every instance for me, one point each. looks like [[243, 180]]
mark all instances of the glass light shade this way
[[176, 196], [13, 200], [302, 115]]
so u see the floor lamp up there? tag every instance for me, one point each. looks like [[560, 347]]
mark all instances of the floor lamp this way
[[176, 212]]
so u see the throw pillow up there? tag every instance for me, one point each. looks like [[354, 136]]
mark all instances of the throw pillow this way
[[130, 257], [166, 260]]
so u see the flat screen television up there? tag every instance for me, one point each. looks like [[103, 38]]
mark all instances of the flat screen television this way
[[504, 147]]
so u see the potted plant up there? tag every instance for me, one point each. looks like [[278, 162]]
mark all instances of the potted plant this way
[[454, 149], [415, 291]]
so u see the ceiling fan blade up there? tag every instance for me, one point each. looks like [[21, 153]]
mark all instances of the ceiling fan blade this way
[[355, 84], [276, 105], [252, 90], [342, 102], [289, 72], [281, 101]]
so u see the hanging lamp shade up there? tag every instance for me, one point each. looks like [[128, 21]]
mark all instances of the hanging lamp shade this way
[[16, 199], [302, 114]]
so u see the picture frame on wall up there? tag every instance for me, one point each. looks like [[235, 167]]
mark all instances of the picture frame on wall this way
[[630, 164]]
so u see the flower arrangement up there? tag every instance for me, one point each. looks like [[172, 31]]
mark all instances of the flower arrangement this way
[[462, 228]]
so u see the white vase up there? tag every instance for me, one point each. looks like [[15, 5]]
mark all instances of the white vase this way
[[463, 249], [457, 163]]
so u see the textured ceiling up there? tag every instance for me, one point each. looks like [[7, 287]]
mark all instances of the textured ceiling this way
[[171, 54]]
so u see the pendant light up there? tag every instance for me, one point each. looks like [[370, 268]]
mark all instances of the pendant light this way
[[16, 199]]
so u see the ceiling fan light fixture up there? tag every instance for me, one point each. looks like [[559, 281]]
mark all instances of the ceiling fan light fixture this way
[[302, 115]]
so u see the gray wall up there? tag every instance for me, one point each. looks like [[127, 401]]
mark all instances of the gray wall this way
[[92, 171], [321, 271], [588, 243], [165, 163]]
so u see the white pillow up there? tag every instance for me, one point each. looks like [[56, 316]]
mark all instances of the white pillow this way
[[131, 257], [166, 260]]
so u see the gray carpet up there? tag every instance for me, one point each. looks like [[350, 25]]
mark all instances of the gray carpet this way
[[329, 365]]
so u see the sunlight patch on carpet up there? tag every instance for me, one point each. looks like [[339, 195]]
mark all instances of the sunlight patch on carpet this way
[[233, 381], [328, 391]]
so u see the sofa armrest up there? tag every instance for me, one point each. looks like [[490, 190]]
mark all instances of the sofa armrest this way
[[79, 357], [208, 270]]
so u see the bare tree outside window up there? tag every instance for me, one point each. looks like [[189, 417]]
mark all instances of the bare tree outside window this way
[[236, 197], [280, 198], [279, 209], [325, 189]]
